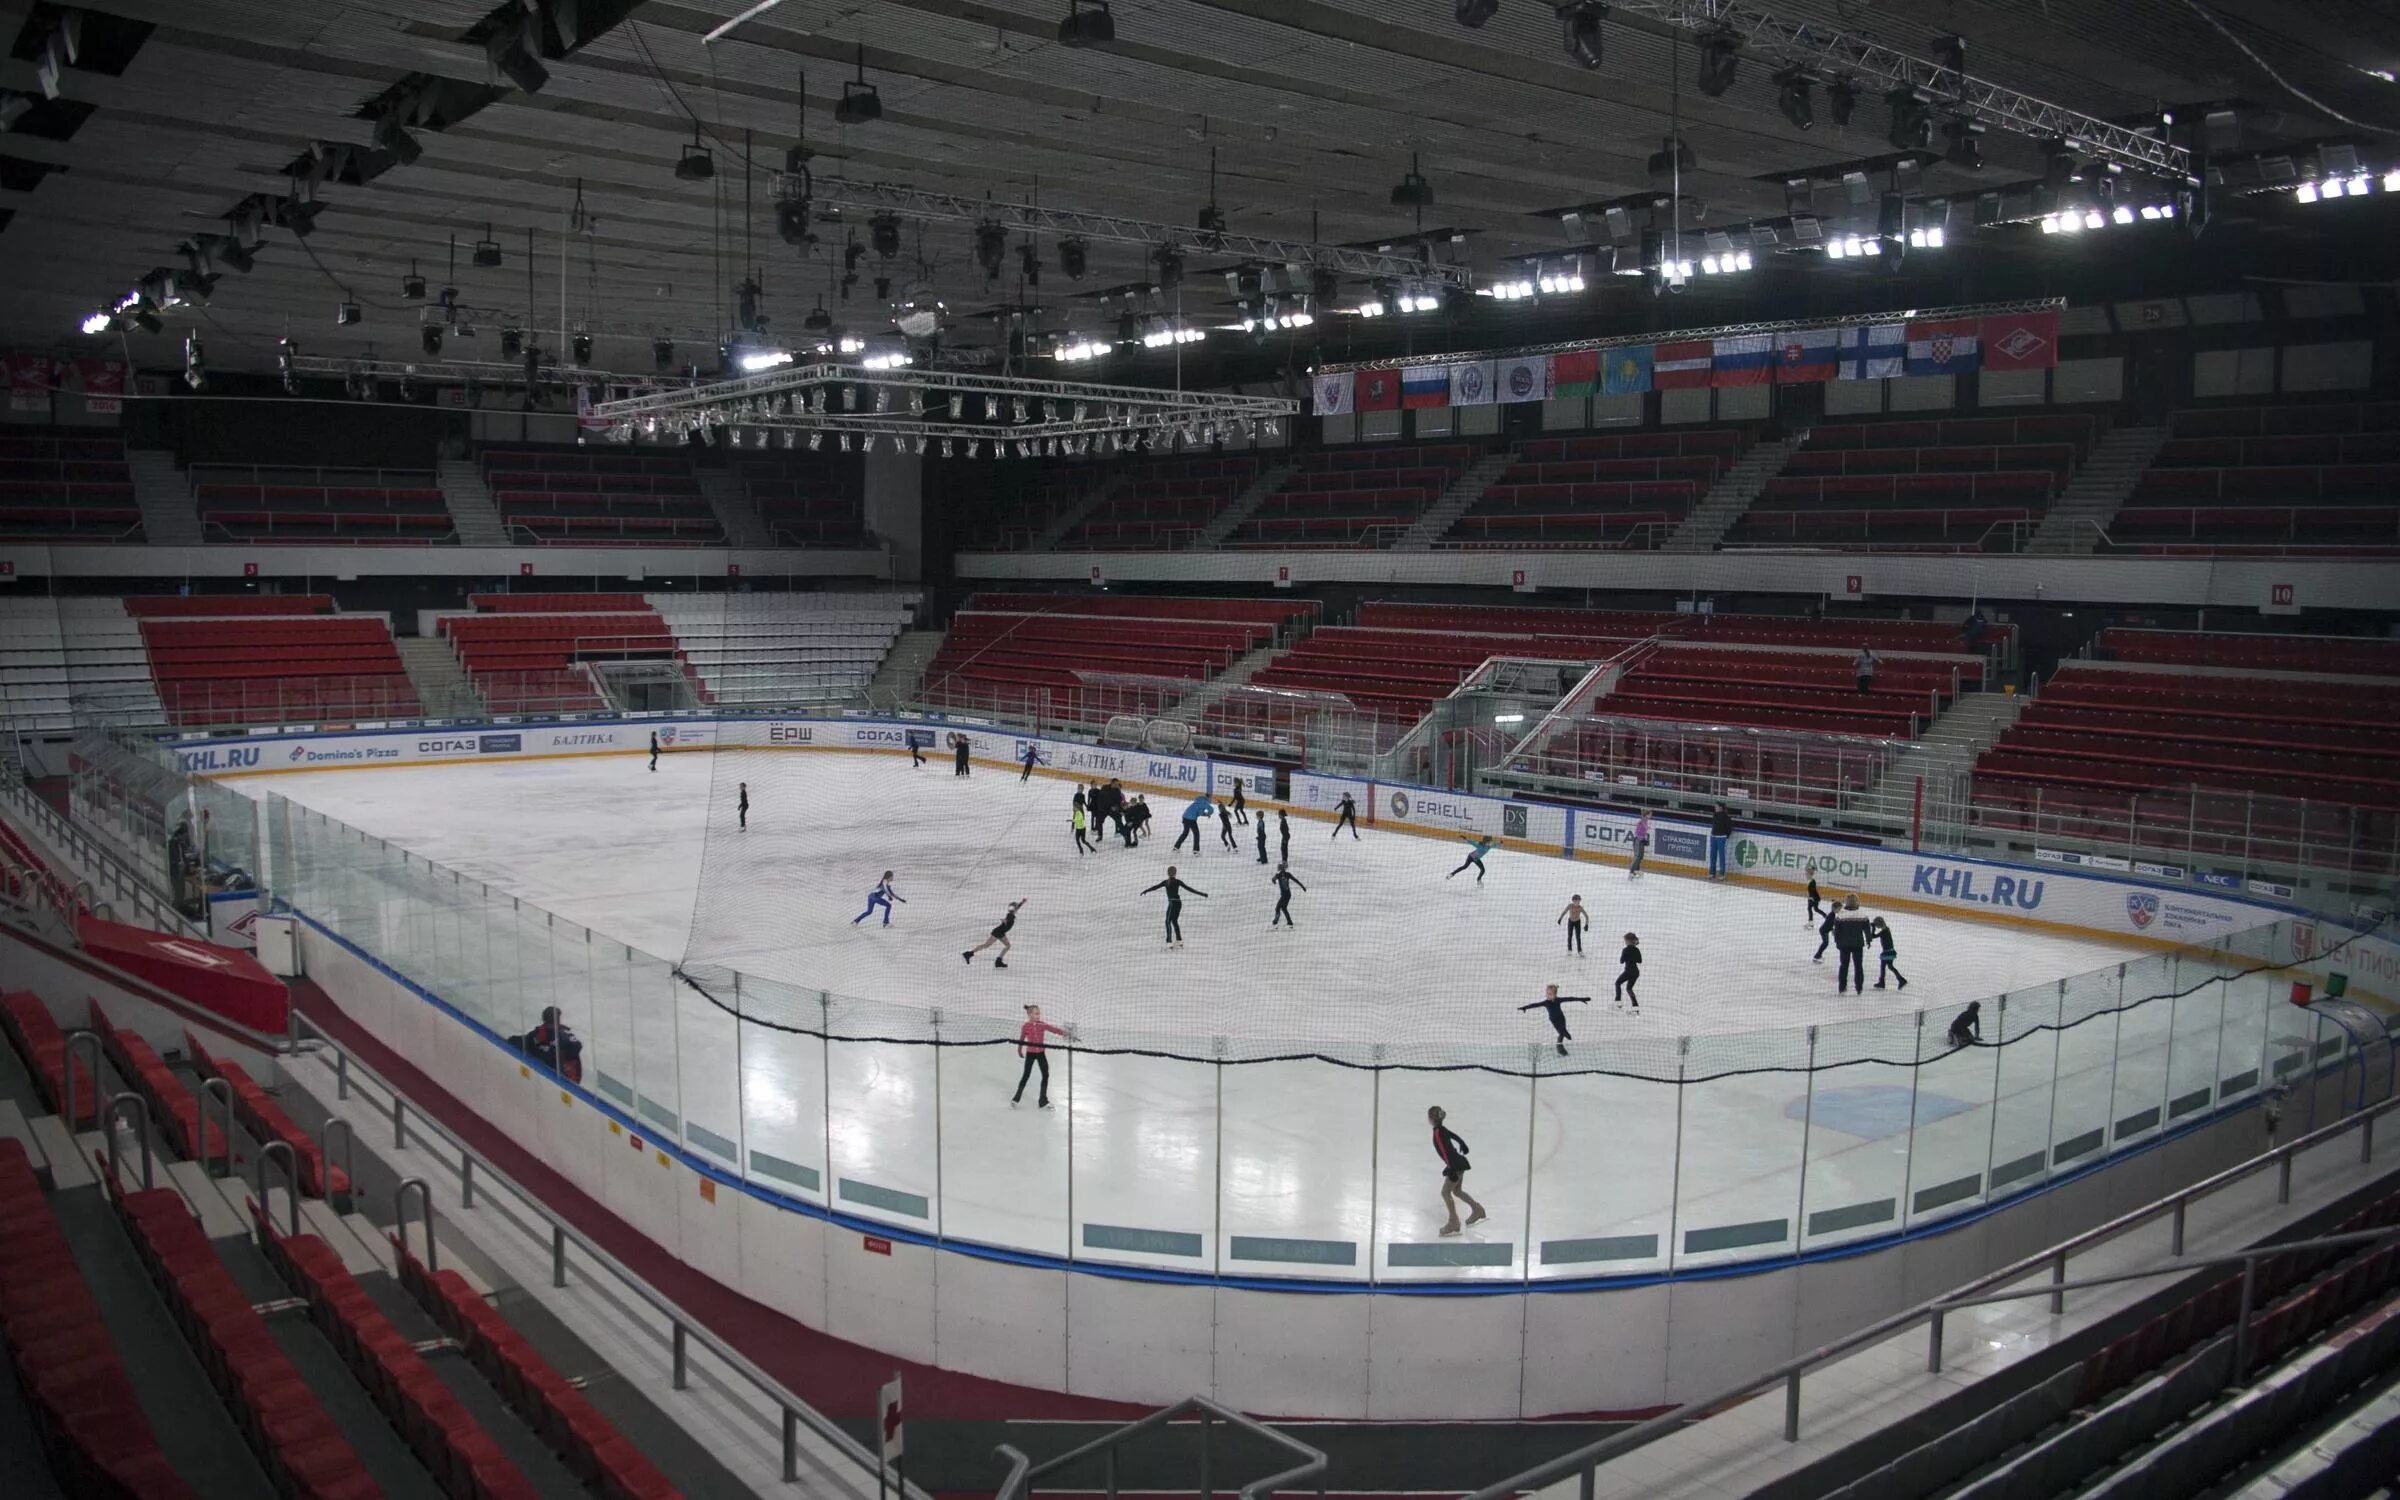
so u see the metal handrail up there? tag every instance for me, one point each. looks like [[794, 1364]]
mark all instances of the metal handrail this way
[[216, 1088], [141, 1133], [1023, 1471], [291, 1186], [1584, 1462], [123, 883], [474, 1168]]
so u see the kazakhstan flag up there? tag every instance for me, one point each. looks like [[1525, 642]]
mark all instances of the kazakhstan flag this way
[[1625, 371]]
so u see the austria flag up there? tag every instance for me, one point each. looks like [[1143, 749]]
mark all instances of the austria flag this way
[[1425, 385], [1682, 364]]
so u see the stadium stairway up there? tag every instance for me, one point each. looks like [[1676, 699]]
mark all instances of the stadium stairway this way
[[902, 670], [1196, 705], [470, 501], [1271, 478], [1071, 516], [2080, 516], [730, 499], [170, 516], [1731, 495], [1455, 501], [1947, 751], [442, 684]]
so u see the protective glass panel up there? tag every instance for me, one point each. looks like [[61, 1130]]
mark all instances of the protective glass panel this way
[[2138, 1108], [1603, 1176], [2024, 1025], [1005, 1170], [1949, 1169], [2087, 1064], [880, 1131], [1738, 1181], [1855, 1116], [1144, 1155], [1416, 1237]]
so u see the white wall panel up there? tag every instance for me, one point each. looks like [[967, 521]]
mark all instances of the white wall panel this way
[[1924, 393], [2087, 380], [1691, 404], [1854, 398], [2345, 366]]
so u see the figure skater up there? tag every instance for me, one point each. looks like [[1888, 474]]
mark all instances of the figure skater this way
[[1347, 816], [1966, 1029], [1550, 1005], [1083, 846], [1453, 1154], [1816, 902], [1575, 918], [1262, 837], [1641, 845], [1284, 881], [1033, 757], [742, 808], [1888, 963], [1225, 827], [1029, 1047], [1825, 928], [916, 746], [1283, 835], [962, 745], [1174, 889], [653, 749], [883, 895], [1241, 809], [999, 935], [1484, 844], [1630, 974]]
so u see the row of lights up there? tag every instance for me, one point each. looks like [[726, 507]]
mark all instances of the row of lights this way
[[2334, 187], [2077, 220]]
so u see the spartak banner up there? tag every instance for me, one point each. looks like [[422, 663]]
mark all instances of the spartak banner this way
[[2021, 341], [103, 385], [28, 382]]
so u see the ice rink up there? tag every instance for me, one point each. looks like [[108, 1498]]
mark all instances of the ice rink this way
[[1276, 1168]]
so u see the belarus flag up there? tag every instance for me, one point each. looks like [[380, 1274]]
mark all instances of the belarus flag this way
[[1943, 347], [1682, 364], [1744, 359], [1425, 385], [1806, 355]]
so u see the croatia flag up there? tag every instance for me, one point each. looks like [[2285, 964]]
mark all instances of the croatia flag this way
[[1944, 347], [1744, 359], [1873, 352], [1809, 354], [1425, 385], [1682, 364]]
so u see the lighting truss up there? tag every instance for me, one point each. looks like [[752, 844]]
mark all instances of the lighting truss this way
[[915, 203], [1027, 410], [1723, 331], [459, 371], [1828, 52]]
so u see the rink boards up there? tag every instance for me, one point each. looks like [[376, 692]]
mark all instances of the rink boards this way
[[2155, 907]]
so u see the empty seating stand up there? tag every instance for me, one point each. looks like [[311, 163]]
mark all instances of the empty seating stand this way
[[275, 659], [600, 496], [2270, 479], [1354, 497], [769, 649], [1908, 484], [805, 499], [1163, 502], [531, 653], [62, 655], [266, 503], [66, 489], [1606, 490], [1016, 651]]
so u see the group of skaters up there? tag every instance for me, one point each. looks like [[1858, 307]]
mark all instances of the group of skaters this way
[[1847, 930]]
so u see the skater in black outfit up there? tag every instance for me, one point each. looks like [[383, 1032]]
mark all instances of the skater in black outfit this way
[[1850, 927], [1348, 818], [1549, 1005], [1283, 833], [653, 749], [961, 744], [1833, 910], [1134, 822], [1103, 805], [1262, 838], [1453, 1154], [1174, 889], [1816, 902], [917, 739], [1225, 827], [999, 935], [1888, 965], [1241, 809], [1574, 917], [1967, 1028], [742, 808], [1284, 881], [1631, 973]]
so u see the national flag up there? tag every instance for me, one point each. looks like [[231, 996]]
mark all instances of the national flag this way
[[1876, 351], [2021, 341], [1808, 354], [1526, 378], [1743, 359], [1625, 371], [1422, 386], [1474, 383], [1377, 390], [1945, 346], [1574, 374], [1333, 394], [1682, 364]]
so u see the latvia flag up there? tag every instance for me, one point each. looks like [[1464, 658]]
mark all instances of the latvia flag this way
[[1682, 364]]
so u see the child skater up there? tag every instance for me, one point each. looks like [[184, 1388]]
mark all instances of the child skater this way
[[1816, 904], [1241, 809], [1083, 846], [999, 935], [742, 808], [1641, 844], [1549, 1005], [1825, 928], [1283, 835], [1348, 816], [1225, 827], [1033, 757], [1174, 889], [1284, 881], [1483, 845], [1888, 964], [1631, 974], [883, 895], [1134, 823], [916, 747], [1453, 1154], [1029, 1047], [1262, 836], [1574, 917], [653, 749]]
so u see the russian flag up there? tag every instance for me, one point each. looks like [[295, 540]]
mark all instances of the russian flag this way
[[1809, 354], [1944, 347], [1873, 352], [1682, 364], [1425, 385], [1743, 359]]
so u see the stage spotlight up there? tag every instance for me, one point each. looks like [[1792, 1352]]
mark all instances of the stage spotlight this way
[[1029, 263], [1966, 143], [1579, 23], [1951, 53], [429, 339], [696, 164], [511, 50], [346, 313], [1841, 97], [195, 363], [1720, 62], [1170, 268], [581, 344], [487, 250], [285, 354], [662, 354], [1912, 119], [883, 232], [229, 252], [859, 103], [1073, 258], [1795, 96], [512, 343], [991, 248], [412, 286], [1412, 190], [1092, 27], [1476, 12]]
